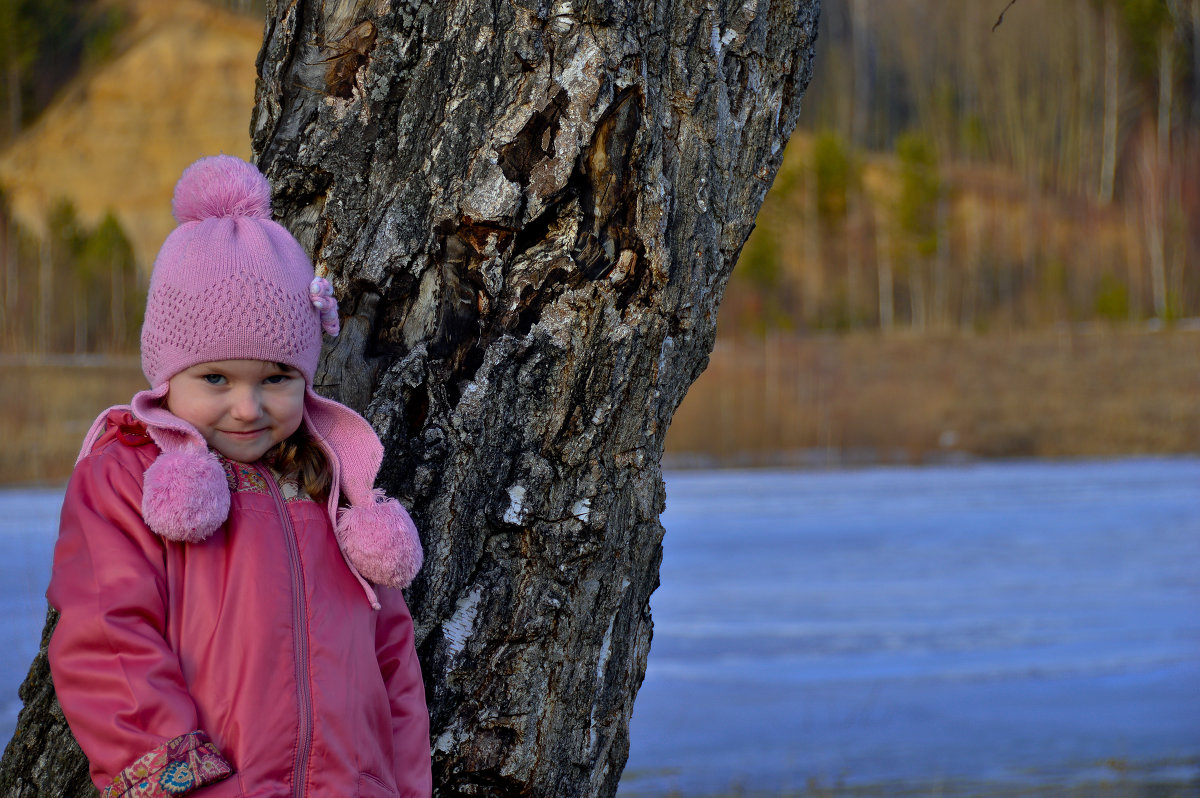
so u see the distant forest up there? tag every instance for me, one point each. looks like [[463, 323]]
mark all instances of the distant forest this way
[[955, 173], [950, 173]]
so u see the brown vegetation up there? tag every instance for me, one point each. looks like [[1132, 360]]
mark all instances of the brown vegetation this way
[[818, 401], [945, 177], [947, 182], [960, 177], [178, 85], [908, 398], [47, 405]]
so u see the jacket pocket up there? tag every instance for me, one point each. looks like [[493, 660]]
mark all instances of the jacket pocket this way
[[371, 787]]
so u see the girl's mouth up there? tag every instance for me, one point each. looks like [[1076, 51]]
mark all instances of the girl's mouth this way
[[244, 435]]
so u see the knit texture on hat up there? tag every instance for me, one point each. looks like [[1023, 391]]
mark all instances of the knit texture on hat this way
[[229, 283]]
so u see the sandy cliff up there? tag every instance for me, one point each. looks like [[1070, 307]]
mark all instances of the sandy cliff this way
[[182, 86]]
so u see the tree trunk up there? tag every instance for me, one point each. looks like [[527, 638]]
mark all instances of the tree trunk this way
[[1195, 7], [861, 47], [529, 214], [1112, 100], [887, 300], [13, 74], [43, 760], [45, 289], [1157, 223], [1152, 170], [532, 214]]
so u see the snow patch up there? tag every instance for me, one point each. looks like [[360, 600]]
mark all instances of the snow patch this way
[[582, 510]]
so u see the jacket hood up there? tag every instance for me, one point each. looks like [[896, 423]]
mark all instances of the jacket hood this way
[[186, 495]]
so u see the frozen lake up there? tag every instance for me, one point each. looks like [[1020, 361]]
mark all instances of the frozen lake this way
[[980, 629], [985, 628]]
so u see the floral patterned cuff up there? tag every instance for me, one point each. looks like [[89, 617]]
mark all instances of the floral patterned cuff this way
[[176, 767]]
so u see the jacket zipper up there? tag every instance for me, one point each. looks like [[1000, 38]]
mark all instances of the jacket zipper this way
[[299, 637]]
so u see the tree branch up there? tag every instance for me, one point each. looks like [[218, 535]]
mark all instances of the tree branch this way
[[1000, 18]]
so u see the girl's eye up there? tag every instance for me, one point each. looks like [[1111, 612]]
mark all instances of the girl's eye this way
[[213, 379], [276, 379]]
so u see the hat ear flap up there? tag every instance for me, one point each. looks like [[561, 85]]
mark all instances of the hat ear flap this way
[[185, 494], [376, 534]]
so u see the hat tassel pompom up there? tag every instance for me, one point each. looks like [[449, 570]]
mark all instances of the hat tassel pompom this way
[[186, 495], [381, 541]]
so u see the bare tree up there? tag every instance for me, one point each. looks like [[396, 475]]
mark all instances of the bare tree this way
[[530, 211], [1112, 100]]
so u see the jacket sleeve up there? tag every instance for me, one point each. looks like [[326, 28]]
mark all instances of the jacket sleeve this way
[[406, 691], [119, 683]]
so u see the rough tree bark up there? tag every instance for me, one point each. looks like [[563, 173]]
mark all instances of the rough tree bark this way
[[529, 211]]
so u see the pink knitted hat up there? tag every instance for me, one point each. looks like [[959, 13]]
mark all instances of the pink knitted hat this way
[[231, 284]]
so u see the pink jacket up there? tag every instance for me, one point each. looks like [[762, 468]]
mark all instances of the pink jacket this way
[[250, 664]]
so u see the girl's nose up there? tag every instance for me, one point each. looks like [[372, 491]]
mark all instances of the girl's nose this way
[[247, 405]]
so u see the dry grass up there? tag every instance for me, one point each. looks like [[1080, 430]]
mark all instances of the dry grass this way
[[822, 400], [913, 398], [46, 407]]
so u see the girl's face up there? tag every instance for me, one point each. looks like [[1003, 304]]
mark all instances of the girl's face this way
[[241, 407]]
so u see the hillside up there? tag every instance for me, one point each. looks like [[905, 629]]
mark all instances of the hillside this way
[[867, 240], [907, 233], [180, 86]]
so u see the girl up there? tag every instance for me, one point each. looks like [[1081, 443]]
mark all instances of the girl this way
[[228, 581]]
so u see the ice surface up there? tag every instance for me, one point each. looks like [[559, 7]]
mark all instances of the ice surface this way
[[1015, 622], [1011, 623], [28, 524]]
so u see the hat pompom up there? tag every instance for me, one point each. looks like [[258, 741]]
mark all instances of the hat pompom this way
[[381, 541], [219, 186], [185, 495]]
